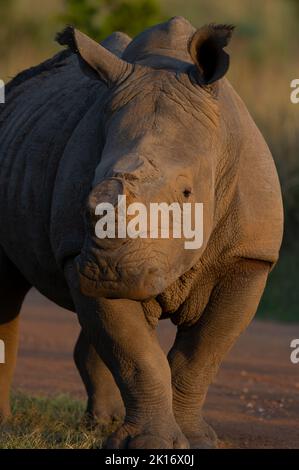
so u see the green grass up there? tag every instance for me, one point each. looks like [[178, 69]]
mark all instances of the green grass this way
[[281, 298], [48, 423]]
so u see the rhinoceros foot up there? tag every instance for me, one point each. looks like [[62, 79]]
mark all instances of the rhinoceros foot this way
[[105, 418], [202, 438], [4, 415], [143, 437]]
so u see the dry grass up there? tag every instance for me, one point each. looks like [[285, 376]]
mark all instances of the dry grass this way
[[48, 423]]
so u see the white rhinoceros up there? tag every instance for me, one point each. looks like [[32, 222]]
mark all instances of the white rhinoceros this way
[[153, 119]]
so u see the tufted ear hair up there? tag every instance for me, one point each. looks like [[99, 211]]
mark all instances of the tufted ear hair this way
[[206, 49]]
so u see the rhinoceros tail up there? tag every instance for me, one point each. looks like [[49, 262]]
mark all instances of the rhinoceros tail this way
[[66, 37]]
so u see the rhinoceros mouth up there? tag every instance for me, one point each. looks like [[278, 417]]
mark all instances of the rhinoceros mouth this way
[[123, 280], [116, 289]]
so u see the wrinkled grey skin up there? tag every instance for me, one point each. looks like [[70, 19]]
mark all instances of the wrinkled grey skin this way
[[161, 124]]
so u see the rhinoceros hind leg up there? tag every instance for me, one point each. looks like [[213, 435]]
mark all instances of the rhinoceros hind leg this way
[[13, 288], [104, 404]]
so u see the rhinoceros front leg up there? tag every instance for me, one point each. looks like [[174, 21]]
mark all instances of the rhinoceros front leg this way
[[104, 405], [199, 349], [13, 288], [128, 345]]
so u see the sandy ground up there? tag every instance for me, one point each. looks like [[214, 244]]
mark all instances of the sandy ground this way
[[254, 402]]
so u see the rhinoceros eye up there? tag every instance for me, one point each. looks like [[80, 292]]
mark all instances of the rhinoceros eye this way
[[187, 192]]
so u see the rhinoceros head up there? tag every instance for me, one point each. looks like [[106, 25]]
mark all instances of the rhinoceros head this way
[[163, 143]]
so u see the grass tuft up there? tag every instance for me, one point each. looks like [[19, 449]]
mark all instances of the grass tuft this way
[[49, 423]]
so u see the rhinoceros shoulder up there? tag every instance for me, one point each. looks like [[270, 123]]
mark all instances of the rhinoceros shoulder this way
[[254, 221]]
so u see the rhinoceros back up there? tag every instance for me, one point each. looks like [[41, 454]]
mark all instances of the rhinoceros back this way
[[47, 108]]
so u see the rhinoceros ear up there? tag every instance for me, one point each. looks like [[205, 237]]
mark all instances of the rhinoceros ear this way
[[108, 66], [206, 49]]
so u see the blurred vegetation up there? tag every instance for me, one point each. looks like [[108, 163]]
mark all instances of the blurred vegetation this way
[[264, 60], [99, 18]]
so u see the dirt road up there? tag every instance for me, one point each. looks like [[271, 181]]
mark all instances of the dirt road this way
[[254, 402]]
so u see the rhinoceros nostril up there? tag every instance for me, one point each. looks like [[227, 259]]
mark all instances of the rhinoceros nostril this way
[[103, 266]]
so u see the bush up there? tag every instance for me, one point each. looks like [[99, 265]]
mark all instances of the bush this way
[[100, 18]]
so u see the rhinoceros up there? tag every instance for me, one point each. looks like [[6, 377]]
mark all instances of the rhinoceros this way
[[152, 118]]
